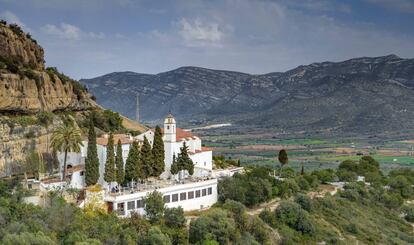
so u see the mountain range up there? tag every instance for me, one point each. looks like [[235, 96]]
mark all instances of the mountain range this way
[[365, 95]]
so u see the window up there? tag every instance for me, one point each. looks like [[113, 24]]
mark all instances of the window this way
[[175, 197], [183, 196], [167, 198], [190, 194], [210, 190], [168, 127], [141, 203], [197, 193], [82, 173], [205, 163], [131, 205], [204, 192]]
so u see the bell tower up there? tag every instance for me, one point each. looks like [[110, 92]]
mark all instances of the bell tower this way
[[169, 129]]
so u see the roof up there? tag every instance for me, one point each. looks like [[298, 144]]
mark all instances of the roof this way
[[125, 139], [182, 134], [203, 149]]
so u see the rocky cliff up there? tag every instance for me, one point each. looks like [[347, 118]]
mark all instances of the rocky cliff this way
[[28, 90], [26, 86]]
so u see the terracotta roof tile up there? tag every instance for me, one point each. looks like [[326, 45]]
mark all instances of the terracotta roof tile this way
[[181, 134]]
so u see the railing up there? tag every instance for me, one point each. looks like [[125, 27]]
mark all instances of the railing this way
[[134, 188]]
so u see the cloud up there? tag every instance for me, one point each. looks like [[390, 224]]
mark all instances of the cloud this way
[[10, 17], [196, 33], [406, 6], [70, 32]]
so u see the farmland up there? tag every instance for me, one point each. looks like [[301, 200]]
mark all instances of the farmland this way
[[312, 152]]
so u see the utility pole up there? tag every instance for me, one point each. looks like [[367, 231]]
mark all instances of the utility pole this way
[[137, 109]]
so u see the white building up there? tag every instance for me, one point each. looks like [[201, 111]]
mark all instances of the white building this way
[[198, 192], [174, 139], [193, 195]]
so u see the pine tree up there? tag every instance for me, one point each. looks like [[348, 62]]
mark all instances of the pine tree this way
[[119, 162], [131, 165], [110, 161], [147, 160], [91, 161], [158, 153], [184, 162]]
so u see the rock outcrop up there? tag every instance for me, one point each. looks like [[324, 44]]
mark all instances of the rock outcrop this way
[[26, 87], [27, 90], [18, 46]]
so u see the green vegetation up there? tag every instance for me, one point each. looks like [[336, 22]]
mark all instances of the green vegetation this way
[[66, 138], [91, 161], [105, 120], [154, 206], [119, 163], [146, 161], [283, 158], [78, 88], [220, 161], [110, 174], [360, 212], [183, 162], [132, 163], [158, 152]]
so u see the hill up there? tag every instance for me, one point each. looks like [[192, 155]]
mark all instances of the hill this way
[[34, 100], [362, 95]]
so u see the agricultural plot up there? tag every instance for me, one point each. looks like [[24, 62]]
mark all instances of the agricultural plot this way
[[311, 153]]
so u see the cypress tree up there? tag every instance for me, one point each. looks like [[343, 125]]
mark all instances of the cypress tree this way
[[147, 160], [158, 153], [91, 161], [110, 161], [131, 165], [174, 166], [119, 162]]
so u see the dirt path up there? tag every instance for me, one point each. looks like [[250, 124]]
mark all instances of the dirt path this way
[[272, 205]]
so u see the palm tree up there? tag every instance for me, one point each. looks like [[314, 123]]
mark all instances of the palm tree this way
[[66, 138]]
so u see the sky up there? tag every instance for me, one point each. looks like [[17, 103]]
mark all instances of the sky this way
[[89, 38]]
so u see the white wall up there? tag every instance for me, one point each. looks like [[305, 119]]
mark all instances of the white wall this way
[[78, 180], [196, 203]]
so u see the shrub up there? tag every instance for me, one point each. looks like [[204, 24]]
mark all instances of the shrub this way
[[304, 201], [174, 217], [391, 200], [347, 176], [409, 213], [294, 216], [402, 186], [324, 175], [215, 225], [268, 217], [287, 188], [45, 117], [302, 183]]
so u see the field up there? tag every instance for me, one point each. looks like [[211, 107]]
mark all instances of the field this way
[[312, 153]]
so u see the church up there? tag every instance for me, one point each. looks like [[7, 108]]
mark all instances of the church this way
[[194, 192], [174, 138]]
